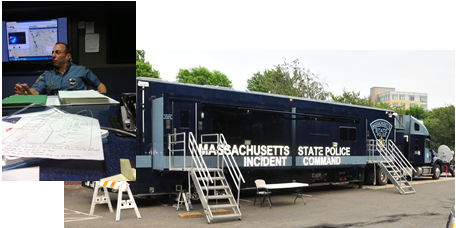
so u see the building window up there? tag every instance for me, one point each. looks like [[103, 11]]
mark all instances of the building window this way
[[412, 98], [423, 99], [394, 104], [403, 105], [347, 134], [394, 97], [402, 97], [412, 105]]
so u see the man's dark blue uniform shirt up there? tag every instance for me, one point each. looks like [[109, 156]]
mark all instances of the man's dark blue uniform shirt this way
[[75, 78]]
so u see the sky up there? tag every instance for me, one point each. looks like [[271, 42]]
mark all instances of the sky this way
[[431, 72], [349, 46]]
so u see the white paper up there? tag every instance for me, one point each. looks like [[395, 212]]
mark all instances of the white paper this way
[[90, 27], [24, 174], [81, 94], [51, 134], [52, 100], [92, 43]]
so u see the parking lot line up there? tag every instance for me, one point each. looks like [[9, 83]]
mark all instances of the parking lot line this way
[[74, 216]]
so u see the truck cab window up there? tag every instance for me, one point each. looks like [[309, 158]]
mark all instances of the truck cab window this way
[[427, 144], [417, 127]]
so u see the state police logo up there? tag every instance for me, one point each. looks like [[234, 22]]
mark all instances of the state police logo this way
[[381, 129]]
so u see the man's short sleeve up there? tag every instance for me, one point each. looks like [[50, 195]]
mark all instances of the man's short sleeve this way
[[40, 84], [92, 79]]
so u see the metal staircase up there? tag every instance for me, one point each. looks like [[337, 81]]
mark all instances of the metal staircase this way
[[394, 165], [210, 183]]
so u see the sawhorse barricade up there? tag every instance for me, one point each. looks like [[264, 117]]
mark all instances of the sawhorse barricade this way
[[121, 186]]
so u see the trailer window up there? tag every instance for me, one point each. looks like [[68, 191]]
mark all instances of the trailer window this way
[[417, 127], [347, 134], [427, 144], [184, 118], [417, 145], [229, 128]]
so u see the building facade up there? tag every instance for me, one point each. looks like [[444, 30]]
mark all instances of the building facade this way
[[395, 98]]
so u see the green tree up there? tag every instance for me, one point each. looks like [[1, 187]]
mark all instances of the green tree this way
[[289, 79], [351, 98], [143, 68], [440, 124], [417, 112], [202, 76], [257, 83]]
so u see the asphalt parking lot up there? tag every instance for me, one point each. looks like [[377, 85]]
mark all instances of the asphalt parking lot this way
[[326, 207]]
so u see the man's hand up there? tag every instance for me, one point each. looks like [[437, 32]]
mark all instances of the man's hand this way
[[20, 88], [101, 88]]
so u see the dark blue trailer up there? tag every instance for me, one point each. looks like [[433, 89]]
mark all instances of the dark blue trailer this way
[[190, 136], [272, 137]]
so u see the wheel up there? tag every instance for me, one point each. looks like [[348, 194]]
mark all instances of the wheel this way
[[437, 172], [382, 179]]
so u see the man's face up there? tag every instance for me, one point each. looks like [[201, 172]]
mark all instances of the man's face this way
[[59, 57]]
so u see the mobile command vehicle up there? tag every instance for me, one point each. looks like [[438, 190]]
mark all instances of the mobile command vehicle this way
[[210, 142]]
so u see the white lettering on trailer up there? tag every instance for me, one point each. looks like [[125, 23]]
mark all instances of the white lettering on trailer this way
[[323, 151], [276, 155], [246, 150], [264, 161], [314, 161]]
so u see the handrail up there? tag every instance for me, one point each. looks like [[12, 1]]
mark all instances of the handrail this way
[[402, 157], [392, 155], [199, 161], [390, 158], [235, 167], [230, 162], [171, 144]]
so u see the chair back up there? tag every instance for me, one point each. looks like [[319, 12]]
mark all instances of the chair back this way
[[259, 182]]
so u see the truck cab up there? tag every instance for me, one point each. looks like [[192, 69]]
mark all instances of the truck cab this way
[[414, 140]]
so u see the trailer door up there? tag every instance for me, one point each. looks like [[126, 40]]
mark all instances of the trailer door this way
[[184, 116]]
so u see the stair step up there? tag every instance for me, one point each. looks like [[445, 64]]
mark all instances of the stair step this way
[[227, 216], [219, 197], [221, 206], [217, 187], [213, 178], [209, 169]]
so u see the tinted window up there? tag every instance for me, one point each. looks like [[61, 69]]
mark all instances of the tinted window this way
[[347, 134], [184, 118], [417, 127]]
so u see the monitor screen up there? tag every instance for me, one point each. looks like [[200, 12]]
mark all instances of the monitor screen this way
[[31, 40]]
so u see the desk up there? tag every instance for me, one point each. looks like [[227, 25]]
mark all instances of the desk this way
[[284, 186], [89, 170]]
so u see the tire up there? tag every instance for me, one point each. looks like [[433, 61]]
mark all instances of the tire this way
[[382, 178], [437, 172]]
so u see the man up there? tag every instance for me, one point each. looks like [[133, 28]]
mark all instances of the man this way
[[65, 76]]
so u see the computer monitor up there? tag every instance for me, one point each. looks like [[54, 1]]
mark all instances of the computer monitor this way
[[28, 41]]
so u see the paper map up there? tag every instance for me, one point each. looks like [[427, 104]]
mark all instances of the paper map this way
[[52, 134]]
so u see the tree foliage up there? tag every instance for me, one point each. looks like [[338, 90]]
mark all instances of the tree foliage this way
[[289, 79], [417, 111], [351, 98], [143, 68], [440, 124], [202, 76]]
